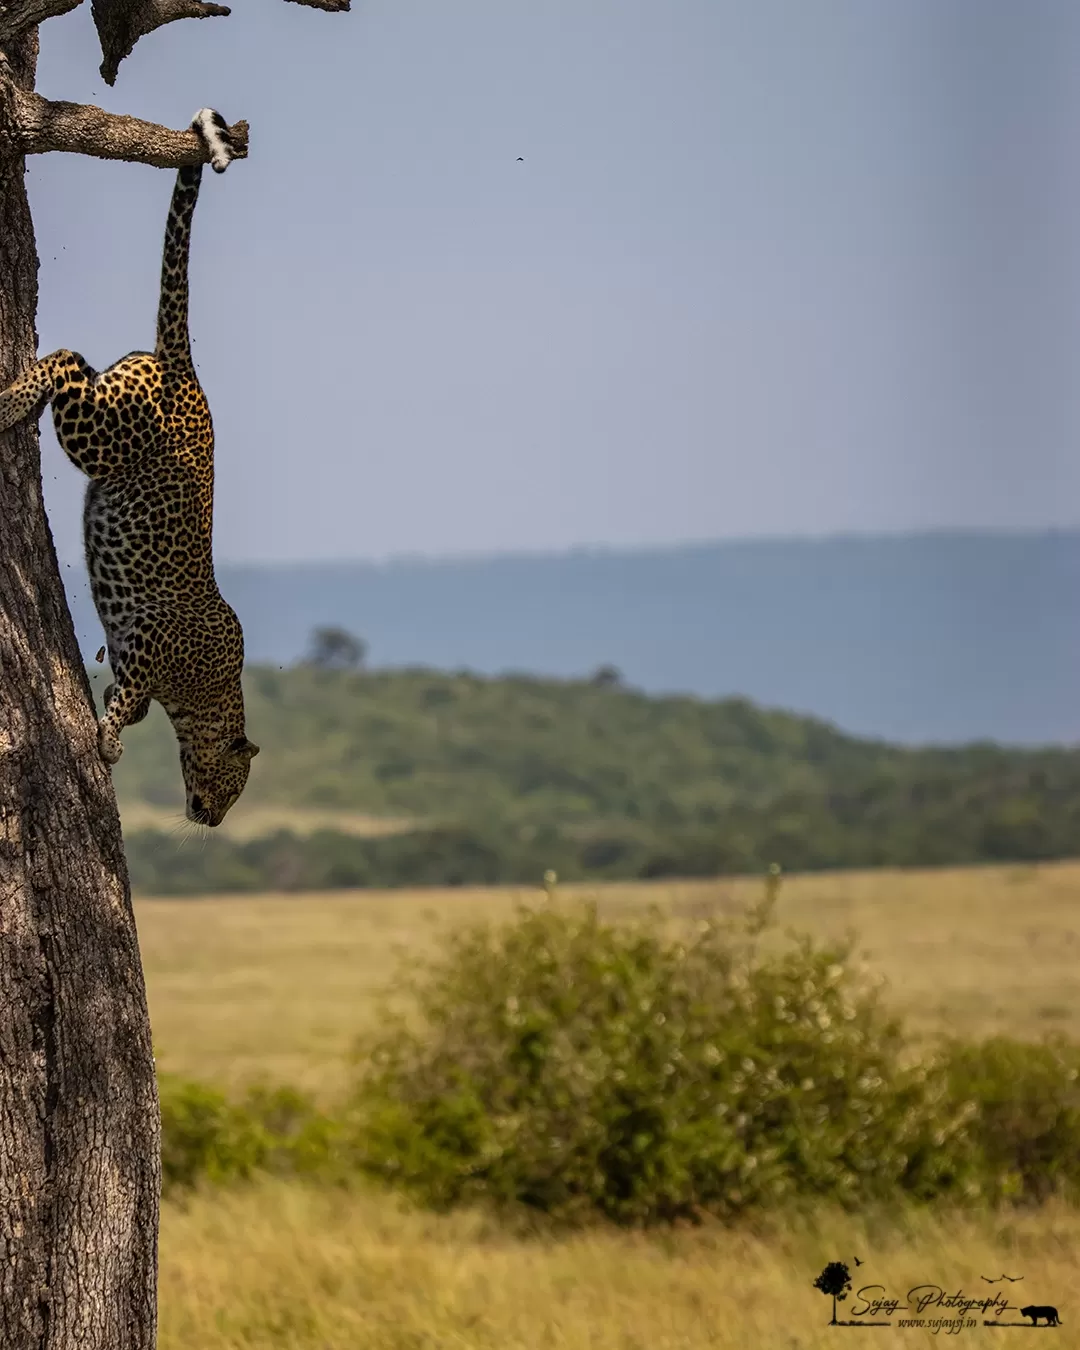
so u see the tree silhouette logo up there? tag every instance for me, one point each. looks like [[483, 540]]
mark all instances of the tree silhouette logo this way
[[934, 1306], [834, 1280]]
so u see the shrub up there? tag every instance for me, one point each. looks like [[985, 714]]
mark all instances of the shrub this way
[[588, 1068], [1025, 1124], [642, 1073], [205, 1137]]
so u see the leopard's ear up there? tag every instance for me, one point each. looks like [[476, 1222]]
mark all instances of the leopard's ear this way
[[242, 748]]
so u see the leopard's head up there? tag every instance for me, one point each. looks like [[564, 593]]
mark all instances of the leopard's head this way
[[214, 775]]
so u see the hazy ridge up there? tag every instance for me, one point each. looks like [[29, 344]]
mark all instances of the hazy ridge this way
[[944, 637]]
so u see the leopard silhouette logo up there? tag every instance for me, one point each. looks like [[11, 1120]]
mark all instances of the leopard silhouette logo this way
[[1034, 1311]]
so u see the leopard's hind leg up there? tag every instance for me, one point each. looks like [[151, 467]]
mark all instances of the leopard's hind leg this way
[[103, 421], [33, 389]]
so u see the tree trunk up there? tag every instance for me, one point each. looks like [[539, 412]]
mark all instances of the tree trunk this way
[[79, 1124]]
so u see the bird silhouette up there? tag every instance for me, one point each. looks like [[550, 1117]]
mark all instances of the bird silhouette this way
[[858, 1262], [989, 1280], [521, 159], [1013, 1279]]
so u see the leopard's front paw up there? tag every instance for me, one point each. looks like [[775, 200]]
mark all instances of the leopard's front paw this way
[[109, 743]]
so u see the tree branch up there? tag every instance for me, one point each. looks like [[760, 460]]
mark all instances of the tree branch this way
[[21, 15], [41, 125], [121, 23]]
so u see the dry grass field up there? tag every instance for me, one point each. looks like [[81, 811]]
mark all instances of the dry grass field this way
[[277, 987], [254, 822], [280, 1267]]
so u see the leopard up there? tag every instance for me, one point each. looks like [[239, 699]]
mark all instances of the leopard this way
[[142, 433], [1035, 1311]]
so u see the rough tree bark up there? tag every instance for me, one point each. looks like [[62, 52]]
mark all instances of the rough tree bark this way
[[79, 1123]]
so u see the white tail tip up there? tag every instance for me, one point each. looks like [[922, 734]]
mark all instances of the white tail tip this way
[[212, 128]]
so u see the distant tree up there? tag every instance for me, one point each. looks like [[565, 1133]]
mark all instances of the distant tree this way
[[834, 1280], [606, 677], [336, 649]]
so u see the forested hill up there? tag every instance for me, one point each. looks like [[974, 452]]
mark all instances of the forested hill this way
[[944, 637], [725, 782]]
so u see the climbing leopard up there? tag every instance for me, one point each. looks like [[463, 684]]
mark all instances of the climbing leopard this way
[[141, 432]]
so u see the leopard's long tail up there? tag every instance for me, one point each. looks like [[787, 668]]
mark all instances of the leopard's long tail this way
[[173, 341]]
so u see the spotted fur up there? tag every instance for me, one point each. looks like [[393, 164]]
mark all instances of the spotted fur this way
[[141, 432]]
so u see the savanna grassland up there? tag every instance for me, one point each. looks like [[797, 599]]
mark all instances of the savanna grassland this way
[[278, 988], [284, 1266]]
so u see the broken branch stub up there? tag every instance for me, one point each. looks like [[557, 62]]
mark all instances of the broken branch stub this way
[[121, 23]]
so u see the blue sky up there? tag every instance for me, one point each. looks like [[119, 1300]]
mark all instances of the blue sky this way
[[768, 267]]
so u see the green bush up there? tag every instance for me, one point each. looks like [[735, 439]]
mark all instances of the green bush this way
[[997, 1121], [1025, 1124], [205, 1137], [583, 1067], [642, 1073]]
